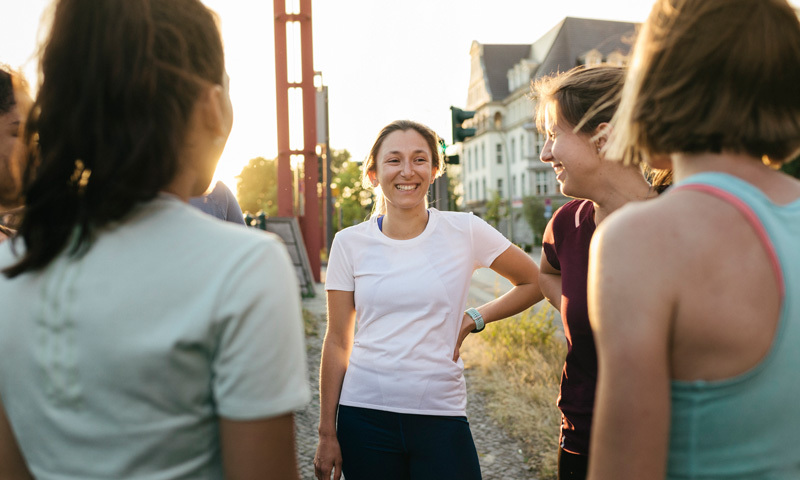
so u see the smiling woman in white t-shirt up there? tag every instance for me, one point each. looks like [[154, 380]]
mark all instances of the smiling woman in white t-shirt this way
[[403, 276]]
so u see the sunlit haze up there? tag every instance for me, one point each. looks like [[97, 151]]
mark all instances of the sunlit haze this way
[[381, 60]]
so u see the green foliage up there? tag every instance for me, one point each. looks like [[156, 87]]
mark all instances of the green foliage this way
[[533, 210], [524, 331], [257, 186], [495, 209], [352, 200], [793, 167]]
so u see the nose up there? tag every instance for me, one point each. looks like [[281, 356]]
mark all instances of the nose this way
[[546, 154], [407, 170]]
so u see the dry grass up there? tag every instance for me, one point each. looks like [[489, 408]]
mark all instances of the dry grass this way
[[310, 323], [517, 365]]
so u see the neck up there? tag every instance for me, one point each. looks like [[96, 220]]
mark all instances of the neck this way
[[401, 224], [736, 164], [628, 185]]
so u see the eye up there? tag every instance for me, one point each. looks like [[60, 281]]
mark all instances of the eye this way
[[420, 159], [551, 135], [392, 160]]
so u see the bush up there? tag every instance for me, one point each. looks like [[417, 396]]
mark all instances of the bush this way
[[517, 364]]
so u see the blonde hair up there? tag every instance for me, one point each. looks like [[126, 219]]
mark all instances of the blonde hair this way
[[712, 76], [370, 164], [585, 97]]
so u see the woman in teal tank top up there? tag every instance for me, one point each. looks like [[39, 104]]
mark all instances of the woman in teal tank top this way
[[690, 295]]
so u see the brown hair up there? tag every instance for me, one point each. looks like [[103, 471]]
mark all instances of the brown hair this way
[[586, 97], [712, 76], [370, 164], [120, 81]]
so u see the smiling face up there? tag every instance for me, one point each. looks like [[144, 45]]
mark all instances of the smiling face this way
[[574, 157], [404, 169]]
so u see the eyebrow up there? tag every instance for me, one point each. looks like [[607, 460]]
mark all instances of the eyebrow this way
[[397, 152]]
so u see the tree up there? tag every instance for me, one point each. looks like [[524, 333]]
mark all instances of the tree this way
[[495, 209], [352, 200], [257, 187], [533, 209]]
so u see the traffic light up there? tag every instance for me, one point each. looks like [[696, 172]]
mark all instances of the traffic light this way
[[458, 116]]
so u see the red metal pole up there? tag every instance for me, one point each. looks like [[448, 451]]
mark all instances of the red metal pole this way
[[310, 222], [285, 204]]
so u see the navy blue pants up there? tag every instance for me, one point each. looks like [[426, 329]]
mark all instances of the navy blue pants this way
[[399, 446]]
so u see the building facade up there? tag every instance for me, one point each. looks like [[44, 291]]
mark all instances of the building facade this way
[[502, 159]]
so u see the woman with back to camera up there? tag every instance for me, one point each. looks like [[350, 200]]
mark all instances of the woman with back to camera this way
[[403, 276], [15, 102], [141, 338], [573, 111], [693, 296]]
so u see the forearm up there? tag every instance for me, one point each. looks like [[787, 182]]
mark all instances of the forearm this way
[[511, 303], [551, 288], [333, 366]]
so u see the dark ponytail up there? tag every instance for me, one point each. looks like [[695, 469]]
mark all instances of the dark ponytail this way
[[119, 81]]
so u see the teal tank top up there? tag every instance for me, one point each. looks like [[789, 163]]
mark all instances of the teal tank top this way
[[747, 427]]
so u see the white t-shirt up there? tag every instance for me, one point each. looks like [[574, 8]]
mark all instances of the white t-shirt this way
[[120, 363], [410, 297]]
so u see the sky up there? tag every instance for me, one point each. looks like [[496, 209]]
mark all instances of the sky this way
[[381, 60]]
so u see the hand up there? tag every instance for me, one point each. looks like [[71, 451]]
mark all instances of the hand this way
[[328, 458], [467, 326]]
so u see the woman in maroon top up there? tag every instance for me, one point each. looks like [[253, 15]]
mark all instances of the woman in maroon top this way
[[573, 112]]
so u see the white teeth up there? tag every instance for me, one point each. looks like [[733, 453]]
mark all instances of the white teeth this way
[[406, 187]]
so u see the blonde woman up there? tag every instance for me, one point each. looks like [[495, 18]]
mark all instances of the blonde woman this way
[[693, 296], [574, 110]]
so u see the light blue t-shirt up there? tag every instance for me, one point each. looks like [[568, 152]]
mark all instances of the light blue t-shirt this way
[[747, 427], [119, 364]]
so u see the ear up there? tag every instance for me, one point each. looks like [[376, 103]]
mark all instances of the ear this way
[[434, 172], [212, 107], [372, 178], [601, 135]]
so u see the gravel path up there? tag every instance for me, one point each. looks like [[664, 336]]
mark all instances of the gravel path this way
[[499, 455]]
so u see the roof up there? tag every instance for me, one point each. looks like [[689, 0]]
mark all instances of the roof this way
[[561, 48], [576, 36], [497, 60]]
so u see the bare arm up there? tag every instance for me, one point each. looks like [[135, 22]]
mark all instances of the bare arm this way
[[12, 464], [259, 448], [630, 308], [550, 282], [335, 357], [521, 271]]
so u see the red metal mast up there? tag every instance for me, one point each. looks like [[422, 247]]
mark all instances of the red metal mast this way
[[310, 220]]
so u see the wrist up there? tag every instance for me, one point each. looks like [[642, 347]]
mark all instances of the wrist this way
[[477, 318]]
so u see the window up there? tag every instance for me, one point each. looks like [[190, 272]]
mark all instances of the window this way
[[542, 183], [500, 187], [499, 150], [539, 144], [483, 189], [522, 181], [483, 155]]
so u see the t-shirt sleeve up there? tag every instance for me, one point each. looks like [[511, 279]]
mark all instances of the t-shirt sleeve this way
[[234, 213], [339, 274], [487, 242], [259, 364], [549, 243]]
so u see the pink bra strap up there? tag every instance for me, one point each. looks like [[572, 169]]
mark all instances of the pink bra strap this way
[[751, 217]]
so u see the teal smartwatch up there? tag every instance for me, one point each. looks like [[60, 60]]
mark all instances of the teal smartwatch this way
[[476, 316]]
